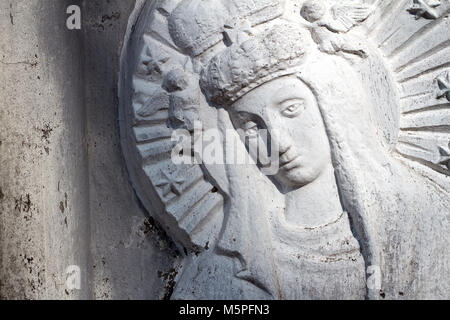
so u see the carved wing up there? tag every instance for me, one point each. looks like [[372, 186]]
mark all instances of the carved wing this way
[[345, 16]]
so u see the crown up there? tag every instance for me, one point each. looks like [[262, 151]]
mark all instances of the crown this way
[[276, 52], [197, 25]]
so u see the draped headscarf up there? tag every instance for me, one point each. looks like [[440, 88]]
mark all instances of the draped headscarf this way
[[357, 154]]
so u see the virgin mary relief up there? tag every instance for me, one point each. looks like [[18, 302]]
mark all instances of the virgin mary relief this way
[[347, 100]]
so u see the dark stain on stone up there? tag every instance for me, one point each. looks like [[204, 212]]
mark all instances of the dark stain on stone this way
[[157, 234], [169, 279], [99, 26], [106, 19], [28, 262], [46, 131], [113, 16], [2, 195], [11, 17], [23, 204], [382, 294], [61, 206], [149, 229], [196, 250], [148, 226]]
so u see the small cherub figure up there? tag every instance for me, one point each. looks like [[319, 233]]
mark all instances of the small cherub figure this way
[[331, 24]]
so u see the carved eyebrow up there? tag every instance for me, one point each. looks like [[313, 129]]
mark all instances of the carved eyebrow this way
[[250, 117], [286, 95], [291, 98]]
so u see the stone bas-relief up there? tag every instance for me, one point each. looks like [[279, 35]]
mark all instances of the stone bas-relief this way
[[354, 95]]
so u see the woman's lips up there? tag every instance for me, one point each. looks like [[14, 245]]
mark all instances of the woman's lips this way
[[287, 161], [284, 156], [292, 164]]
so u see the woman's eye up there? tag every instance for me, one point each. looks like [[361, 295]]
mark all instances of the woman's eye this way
[[293, 109], [251, 129]]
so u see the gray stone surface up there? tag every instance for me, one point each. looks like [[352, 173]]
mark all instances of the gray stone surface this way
[[44, 215], [64, 192]]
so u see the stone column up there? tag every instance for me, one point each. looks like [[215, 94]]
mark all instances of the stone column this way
[[44, 190], [65, 198]]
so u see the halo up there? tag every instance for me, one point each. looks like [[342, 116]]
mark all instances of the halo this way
[[415, 40]]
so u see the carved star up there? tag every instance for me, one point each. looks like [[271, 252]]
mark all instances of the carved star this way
[[154, 61], [153, 66], [445, 156], [168, 184], [237, 32], [425, 9], [443, 82]]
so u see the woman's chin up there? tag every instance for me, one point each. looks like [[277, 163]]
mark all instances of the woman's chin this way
[[295, 178]]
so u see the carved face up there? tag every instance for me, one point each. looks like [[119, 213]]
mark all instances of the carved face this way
[[288, 110], [313, 10]]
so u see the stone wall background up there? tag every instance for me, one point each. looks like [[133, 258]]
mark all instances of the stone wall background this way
[[65, 198]]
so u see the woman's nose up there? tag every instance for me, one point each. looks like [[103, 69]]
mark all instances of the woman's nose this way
[[283, 147], [277, 145], [280, 141]]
